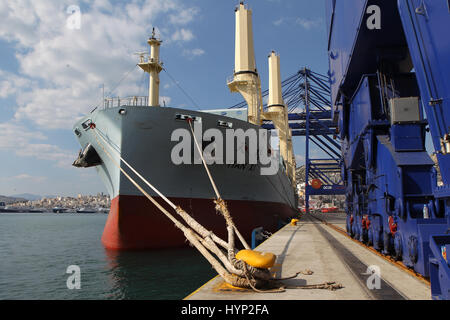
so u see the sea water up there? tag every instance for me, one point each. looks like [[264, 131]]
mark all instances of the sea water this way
[[37, 249]]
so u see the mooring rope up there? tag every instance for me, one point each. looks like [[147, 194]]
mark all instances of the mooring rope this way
[[201, 244], [236, 272], [161, 208], [220, 203], [140, 176], [178, 209], [200, 151], [250, 281]]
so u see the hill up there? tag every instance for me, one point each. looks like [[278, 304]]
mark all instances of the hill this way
[[27, 196], [11, 200]]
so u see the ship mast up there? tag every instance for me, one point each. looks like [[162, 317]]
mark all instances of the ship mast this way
[[153, 66]]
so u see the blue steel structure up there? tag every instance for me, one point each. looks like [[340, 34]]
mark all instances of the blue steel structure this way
[[321, 131], [390, 84], [307, 95]]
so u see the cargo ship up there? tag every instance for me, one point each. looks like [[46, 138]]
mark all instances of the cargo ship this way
[[140, 131]]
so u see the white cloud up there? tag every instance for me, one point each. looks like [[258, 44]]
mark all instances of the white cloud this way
[[13, 135], [308, 23], [305, 23], [25, 177], [279, 22], [61, 69], [11, 83], [192, 53], [62, 158], [183, 35], [19, 140], [184, 16], [197, 52]]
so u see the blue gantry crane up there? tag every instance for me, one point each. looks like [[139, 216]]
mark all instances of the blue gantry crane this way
[[319, 131], [386, 93], [307, 95], [390, 85]]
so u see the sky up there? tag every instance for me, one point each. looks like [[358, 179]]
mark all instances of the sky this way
[[52, 72]]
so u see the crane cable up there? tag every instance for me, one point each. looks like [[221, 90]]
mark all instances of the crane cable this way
[[117, 85], [181, 88]]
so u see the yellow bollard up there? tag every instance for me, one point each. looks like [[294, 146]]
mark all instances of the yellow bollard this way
[[260, 260]]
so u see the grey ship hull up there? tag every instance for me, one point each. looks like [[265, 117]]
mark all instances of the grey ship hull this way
[[143, 137]]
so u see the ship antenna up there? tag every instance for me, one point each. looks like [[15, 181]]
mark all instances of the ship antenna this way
[[141, 55]]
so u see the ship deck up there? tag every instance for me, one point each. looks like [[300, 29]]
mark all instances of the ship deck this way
[[319, 244]]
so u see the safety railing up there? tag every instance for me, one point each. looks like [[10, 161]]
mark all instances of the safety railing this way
[[230, 79], [134, 101]]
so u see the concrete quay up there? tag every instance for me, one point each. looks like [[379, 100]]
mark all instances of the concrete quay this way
[[333, 257]]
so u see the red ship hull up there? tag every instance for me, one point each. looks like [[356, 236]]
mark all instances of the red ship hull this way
[[135, 223]]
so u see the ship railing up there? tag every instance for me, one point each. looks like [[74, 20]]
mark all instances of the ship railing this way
[[134, 101]]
